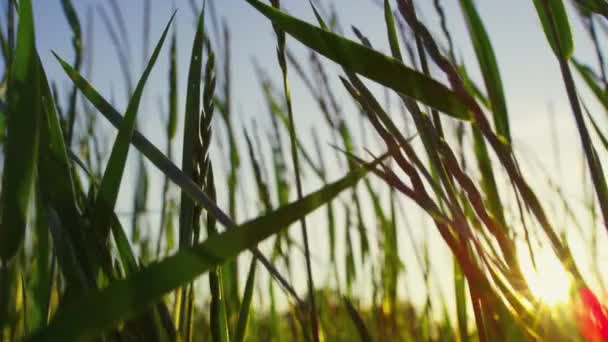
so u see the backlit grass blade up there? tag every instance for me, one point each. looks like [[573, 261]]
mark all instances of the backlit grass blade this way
[[282, 58], [147, 148], [24, 120], [554, 19], [489, 67], [124, 298], [392, 31], [110, 183], [369, 63]]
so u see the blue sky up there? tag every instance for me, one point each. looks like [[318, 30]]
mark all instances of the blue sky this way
[[530, 73]]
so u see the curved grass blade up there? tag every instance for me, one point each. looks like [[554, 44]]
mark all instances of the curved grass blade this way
[[489, 68], [23, 137], [110, 183], [124, 298], [369, 63], [554, 19]]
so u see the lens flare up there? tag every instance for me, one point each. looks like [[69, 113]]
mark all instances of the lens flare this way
[[549, 282]]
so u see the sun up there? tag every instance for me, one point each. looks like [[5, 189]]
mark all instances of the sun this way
[[549, 282]]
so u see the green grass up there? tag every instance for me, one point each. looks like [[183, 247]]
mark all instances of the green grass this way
[[69, 270]]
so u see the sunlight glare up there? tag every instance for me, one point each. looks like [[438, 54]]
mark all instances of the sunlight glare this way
[[549, 282]]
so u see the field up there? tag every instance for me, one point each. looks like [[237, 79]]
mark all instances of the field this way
[[380, 192]]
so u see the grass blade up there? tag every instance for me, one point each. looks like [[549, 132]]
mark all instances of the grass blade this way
[[110, 183], [241, 328], [554, 19], [587, 76], [124, 298], [369, 63], [489, 68], [25, 112]]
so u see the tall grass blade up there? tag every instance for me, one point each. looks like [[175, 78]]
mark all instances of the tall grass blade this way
[[190, 139], [554, 19], [241, 328], [489, 68], [112, 177], [23, 126], [369, 63]]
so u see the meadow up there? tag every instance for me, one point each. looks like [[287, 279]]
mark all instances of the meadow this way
[[269, 231]]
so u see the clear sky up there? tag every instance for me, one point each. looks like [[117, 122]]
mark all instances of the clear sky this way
[[530, 73]]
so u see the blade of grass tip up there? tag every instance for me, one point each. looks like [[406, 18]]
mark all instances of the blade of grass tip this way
[[281, 55], [21, 151], [554, 20], [489, 68], [587, 76], [70, 13], [369, 63], [110, 183], [392, 31], [124, 298]]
